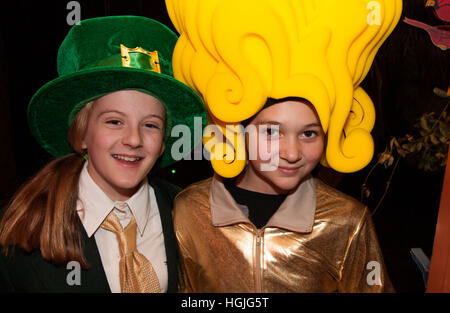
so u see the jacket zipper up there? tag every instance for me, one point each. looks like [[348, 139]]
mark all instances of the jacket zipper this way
[[258, 271]]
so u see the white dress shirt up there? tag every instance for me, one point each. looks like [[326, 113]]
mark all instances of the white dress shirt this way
[[93, 207]]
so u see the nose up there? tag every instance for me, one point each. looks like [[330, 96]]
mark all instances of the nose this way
[[290, 149], [132, 137]]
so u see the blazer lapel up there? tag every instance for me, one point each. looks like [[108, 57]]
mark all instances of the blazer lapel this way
[[164, 197], [55, 278], [94, 276]]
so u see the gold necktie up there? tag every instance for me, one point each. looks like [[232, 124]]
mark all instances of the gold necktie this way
[[135, 271]]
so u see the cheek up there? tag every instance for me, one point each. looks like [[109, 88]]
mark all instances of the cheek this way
[[98, 141], [261, 149], [256, 165], [154, 143], [257, 150], [314, 152], [251, 144]]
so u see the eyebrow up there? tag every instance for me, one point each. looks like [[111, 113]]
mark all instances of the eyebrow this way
[[121, 113], [313, 125], [278, 123], [268, 122]]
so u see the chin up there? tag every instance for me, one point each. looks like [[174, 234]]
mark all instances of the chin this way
[[284, 184], [287, 186], [130, 183]]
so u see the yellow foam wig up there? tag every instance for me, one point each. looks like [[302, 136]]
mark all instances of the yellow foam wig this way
[[237, 53]]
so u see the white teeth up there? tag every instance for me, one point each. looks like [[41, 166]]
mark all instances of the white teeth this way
[[124, 158]]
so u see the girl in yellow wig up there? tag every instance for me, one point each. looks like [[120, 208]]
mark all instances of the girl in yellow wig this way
[[289, 71]]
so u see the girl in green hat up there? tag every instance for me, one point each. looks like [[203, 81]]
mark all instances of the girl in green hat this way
[[93, 219]]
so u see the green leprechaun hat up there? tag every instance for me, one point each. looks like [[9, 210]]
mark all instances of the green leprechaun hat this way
[[107, 54]]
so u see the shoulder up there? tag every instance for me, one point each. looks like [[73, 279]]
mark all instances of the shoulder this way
[[198, 190], [326, 192], [338, 205], [193, 200]]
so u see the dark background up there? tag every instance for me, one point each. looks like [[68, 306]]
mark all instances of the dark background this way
[[401, 82]]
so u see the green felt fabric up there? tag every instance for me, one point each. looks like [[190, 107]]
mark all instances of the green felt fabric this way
[[89, 66]]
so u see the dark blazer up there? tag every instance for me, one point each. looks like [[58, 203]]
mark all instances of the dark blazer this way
[[29, 272]]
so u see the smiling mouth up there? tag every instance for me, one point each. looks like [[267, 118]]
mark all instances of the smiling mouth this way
[[288, 169], [130, 159]]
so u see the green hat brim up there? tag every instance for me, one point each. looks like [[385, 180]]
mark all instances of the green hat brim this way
[[52, 108]]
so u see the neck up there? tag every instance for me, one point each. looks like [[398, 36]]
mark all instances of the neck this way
[[252, 180], [115, 193], [119, 194]]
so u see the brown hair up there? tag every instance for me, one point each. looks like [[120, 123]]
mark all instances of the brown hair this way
[[42, 215]]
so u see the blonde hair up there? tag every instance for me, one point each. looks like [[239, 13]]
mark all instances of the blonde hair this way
[[78, 128]]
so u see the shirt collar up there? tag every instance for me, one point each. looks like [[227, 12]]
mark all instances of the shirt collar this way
[[94, 205], [296, 213]]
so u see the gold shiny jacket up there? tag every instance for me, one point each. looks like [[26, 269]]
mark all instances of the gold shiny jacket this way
[[319, 240]]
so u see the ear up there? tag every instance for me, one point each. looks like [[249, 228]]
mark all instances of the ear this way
[[163, 147], [83, 145]]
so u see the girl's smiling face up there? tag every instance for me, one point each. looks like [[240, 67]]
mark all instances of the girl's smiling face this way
[[288, 145], [124, 139]]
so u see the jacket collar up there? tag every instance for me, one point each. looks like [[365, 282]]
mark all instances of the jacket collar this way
[[296, 213]]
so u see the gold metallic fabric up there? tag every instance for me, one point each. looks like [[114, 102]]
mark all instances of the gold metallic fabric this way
[[319, 240], [135, 270]]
